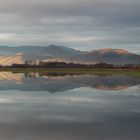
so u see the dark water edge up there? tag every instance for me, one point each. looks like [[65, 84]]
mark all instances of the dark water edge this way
[[70, 132], [75, 71]]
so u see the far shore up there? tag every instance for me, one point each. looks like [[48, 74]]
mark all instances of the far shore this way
[[76, 71]]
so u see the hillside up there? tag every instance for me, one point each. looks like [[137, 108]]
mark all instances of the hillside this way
[[115, 56], [61, 53]]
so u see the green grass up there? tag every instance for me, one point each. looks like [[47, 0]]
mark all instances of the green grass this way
[[75, 71]]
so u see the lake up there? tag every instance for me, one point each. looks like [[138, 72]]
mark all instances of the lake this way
[[37, 106]]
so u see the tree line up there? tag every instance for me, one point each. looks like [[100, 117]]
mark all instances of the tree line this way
[[42, 64]]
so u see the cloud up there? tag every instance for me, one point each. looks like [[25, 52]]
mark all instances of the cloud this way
[[85, 24]]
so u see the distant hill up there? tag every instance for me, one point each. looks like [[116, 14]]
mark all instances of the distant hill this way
[[8, 50], [59, 51], [12, 55], [51, 50], [114, 56]]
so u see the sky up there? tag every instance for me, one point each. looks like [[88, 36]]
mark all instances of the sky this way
[[80, 24]]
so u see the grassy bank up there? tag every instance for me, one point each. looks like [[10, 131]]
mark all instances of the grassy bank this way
[[76, 71]]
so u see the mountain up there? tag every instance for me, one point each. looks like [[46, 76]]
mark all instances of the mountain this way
[[8, 50], [114, 56], [11, 59], [51, 50], [11, 55], [21, 58], [59, 51]]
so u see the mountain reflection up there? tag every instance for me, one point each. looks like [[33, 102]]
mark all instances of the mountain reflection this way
[[53, 82]]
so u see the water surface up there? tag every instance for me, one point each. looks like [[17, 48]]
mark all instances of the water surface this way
[[37, 106]]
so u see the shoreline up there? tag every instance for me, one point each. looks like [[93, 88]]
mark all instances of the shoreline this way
[[76, 71]]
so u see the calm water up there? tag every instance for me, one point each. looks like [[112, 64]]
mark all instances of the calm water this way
[[45, 107]]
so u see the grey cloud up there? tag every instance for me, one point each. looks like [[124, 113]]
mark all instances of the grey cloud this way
[[75, 23]]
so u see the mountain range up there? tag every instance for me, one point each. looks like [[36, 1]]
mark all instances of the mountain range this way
[[18, 55]]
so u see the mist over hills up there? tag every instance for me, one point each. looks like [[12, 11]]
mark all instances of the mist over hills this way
[[18, 55]]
